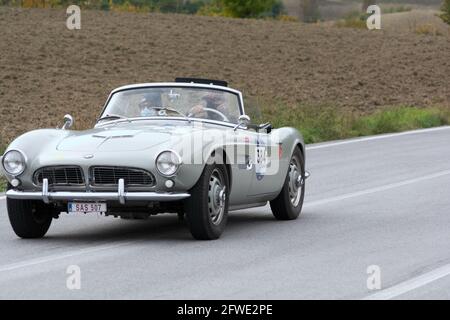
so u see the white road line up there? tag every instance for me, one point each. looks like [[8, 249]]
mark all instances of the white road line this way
[[411, 284], [378, 137], [378, 189], [50, 258]]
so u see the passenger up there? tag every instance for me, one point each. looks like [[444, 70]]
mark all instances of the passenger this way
[[149, 104]]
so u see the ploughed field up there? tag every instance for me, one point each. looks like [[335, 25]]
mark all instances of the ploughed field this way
[[47, 70]]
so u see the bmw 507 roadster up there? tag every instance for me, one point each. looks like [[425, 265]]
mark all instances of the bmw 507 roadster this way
[[186, 147]]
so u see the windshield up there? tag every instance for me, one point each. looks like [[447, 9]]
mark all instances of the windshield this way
[[173, 101]]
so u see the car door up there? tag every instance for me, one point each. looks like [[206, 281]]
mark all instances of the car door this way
[[241, 150]]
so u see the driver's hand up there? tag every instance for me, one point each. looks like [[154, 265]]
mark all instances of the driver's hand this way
[[222, 109], [198, 111]]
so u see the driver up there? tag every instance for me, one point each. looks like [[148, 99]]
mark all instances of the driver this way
[[212, 100], [149, 102]]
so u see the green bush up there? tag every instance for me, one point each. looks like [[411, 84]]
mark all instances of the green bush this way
[[353, 19], [325, 122], [3, 184], [2, 179], [396, 9], [247, 8], [445, 16]]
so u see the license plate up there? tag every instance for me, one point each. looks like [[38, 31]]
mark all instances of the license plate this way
[[86, 207]]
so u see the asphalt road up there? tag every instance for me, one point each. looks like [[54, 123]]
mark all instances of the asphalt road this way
[[382, 201]]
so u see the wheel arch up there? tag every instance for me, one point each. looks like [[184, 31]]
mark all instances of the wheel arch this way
[[221, 152], [301, 146]]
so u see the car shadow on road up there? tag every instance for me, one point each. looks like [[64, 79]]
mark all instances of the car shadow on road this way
[[157, 228]]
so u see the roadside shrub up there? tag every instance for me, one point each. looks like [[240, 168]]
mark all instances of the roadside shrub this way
[[396, 9], [180, 6], [325, 122], [2, 179], [353, 19], [3, 184], [243, 8], [247, 8], [400, 119], [104, 5], [427, 29], [287, 18], [212, 8], [445, 16]]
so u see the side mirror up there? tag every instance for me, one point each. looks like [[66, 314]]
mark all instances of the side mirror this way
[[243, 121], [266, 126], [68, 122]]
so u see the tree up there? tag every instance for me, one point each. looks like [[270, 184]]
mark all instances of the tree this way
[[247, 8], [366, 4], [445, 15]]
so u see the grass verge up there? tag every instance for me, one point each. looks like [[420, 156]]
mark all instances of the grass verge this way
[[427, 29], [354, 19], [395, 9], [2, 179], [324, 123], [2, 184]]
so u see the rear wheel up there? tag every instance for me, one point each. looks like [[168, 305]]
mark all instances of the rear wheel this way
[[207, 208], [289, 203], [29, 219]]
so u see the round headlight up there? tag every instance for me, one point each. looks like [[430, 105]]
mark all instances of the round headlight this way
[[168, 163], [14, 162]]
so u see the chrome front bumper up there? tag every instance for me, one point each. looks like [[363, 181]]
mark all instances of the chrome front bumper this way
[[120, 195]]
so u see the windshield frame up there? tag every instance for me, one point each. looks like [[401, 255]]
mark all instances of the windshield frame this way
[[172, 85]]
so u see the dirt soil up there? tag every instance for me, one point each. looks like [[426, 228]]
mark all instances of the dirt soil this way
[[47, 70]]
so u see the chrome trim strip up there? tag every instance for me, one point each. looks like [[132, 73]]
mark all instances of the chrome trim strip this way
[[97, 196]]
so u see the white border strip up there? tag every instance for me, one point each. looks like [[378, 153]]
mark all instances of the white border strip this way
[[377, 137], [411, 284]]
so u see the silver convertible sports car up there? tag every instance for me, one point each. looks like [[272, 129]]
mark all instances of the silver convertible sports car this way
[[186, 147]]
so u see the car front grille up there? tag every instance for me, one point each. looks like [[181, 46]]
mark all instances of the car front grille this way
[[109, 176], [60, 175]]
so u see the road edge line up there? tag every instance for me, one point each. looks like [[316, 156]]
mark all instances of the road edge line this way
[[411, 284], [374, 137], [378, 189]]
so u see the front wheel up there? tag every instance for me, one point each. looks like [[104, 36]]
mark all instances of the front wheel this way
[[207, 207], [289, 203], [29, 219]]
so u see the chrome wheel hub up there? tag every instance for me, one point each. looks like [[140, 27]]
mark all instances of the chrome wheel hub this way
[[296, 182], [217, 197]]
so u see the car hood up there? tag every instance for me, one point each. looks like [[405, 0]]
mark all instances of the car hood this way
[[115, 139]]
